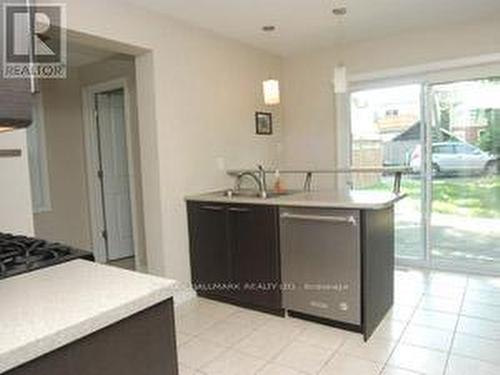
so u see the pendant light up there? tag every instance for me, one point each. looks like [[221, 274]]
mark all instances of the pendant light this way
[[340, 83], [340, 79], [271, 90], [270, 87]]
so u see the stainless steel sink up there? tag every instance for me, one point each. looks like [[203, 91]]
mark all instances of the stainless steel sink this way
[[248, 193]]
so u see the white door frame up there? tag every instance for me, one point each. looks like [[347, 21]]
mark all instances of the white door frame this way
[[92, 165]]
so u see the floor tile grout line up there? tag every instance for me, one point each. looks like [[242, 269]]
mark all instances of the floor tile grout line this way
[[400, 338], [252, 330], [445, 369], [198, 336], [339, 349], [295, 336], [384, 365], [335, 352], [480, 318], [271, 360], [254, 326], [229, 348], [285, 346]]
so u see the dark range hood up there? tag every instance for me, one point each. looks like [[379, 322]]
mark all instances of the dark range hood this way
[[16, 99], [16, 104]]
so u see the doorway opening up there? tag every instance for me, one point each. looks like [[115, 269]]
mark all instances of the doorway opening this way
[[448, 134], [110, 171]]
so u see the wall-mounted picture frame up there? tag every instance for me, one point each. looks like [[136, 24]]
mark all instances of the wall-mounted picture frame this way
[[263, 123]]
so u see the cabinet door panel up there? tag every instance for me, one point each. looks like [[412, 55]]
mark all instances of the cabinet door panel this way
[[254, 254], [210, 264]]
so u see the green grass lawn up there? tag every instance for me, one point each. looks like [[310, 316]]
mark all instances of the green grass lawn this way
[[466, 196]]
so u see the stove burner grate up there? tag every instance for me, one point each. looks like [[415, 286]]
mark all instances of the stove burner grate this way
[[25, 253]]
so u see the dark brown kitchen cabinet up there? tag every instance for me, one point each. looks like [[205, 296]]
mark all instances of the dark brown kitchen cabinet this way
[[210, 252], [234, 253], [253, 237], [143, 343]]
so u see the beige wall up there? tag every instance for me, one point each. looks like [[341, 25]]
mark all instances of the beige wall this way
[[197, 93], [15, 193], [206, 90], [206, 94], [68, 219], [123, 67], [308, 99]]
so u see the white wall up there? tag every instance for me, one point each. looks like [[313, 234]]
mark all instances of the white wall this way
[[15, 192], [206, 90], [308, 99]]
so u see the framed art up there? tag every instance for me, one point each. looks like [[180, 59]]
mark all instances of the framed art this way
[[263, 123]]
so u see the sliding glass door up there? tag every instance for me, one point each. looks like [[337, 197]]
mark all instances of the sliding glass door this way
[[451, 217], [387, 131], [465, 205]]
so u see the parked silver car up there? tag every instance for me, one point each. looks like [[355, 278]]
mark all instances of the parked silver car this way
[[456, 157]]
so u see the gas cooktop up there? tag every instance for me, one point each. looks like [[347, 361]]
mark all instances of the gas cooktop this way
[[19, 254]]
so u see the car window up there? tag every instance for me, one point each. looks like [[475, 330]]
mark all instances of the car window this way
[[443, 149], [465, 149]]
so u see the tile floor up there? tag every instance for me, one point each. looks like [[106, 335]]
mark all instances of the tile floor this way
[[441, 324], [126, 263]]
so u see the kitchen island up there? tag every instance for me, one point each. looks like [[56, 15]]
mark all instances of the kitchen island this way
[[85, 318], [326, 256]]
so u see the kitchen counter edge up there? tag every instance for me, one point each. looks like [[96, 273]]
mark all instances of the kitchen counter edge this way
[[317, 199], [149, 291]]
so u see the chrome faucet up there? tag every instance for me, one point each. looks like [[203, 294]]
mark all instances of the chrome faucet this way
[[258, 177], [263, 183]]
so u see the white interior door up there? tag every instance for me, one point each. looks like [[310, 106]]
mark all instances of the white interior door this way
[[115, 174]]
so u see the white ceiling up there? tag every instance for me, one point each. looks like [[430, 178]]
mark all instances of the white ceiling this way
[[307, 24]]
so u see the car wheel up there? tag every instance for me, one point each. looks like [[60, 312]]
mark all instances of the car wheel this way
[[435, 170], [491, 168]]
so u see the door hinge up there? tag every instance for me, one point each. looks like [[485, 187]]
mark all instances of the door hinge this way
[[100, 174], [96, 114], [104, 234]]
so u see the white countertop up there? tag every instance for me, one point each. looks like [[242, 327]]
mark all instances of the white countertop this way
[[352, 199], [49, 308]]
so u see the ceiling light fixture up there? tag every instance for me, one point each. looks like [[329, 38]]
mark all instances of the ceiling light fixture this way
[[340, 11], [268, 28]]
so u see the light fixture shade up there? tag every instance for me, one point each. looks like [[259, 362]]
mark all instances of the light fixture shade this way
[[271, 89], [340, 79]]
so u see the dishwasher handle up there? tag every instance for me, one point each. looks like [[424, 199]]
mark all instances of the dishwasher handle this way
[[351, 220]]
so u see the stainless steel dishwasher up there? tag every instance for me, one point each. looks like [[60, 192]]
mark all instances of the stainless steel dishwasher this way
[[321, 263]]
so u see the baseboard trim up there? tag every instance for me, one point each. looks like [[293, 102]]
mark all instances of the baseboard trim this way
[[183, 296]]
